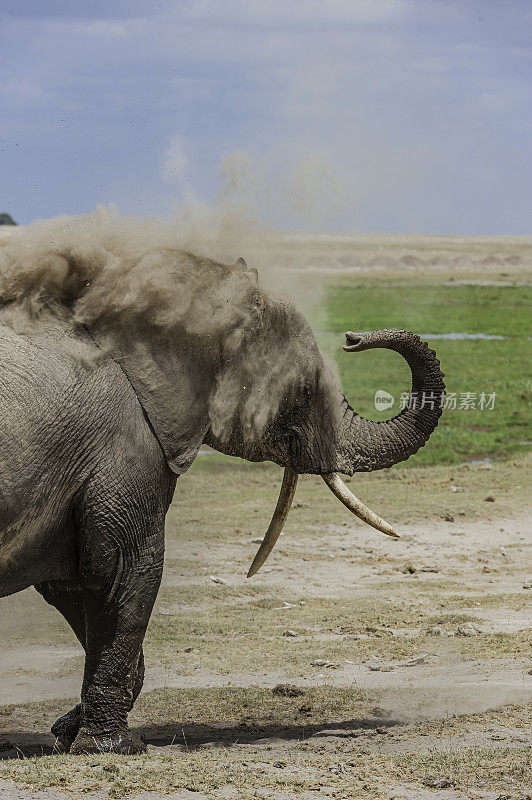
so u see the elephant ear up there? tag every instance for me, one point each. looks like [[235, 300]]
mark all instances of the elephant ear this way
[[250, 271], [173, 389]]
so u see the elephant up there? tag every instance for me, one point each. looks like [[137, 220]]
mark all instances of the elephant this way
[[114, 371]]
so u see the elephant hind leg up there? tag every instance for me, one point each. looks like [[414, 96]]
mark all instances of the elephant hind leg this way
[[69, 601]]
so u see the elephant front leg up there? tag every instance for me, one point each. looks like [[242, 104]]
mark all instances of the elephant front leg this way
[[117, 613], [70, 602], [66, 728], [114, 641]]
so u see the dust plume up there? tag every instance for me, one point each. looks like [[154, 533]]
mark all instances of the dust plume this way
[[145, 278]]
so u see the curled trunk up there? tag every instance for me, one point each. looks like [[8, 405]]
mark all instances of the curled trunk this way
[[365, 445]]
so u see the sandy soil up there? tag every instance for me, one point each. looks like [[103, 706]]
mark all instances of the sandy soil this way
[[478, 701], [32, 672]]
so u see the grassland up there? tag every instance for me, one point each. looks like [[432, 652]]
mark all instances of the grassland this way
[[502, 366]]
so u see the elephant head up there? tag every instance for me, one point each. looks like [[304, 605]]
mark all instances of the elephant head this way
[[308, 425]]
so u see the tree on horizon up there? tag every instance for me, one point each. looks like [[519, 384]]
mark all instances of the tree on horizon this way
[[7, 219]]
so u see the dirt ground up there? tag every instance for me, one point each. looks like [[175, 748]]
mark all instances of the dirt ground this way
[[351, 666]]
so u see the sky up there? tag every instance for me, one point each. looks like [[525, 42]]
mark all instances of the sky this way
[[406, 116]]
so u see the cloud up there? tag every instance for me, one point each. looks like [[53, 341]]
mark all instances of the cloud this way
[[25, 91]]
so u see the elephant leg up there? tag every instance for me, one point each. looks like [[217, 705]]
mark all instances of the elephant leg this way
[[70, 602], [66, 728], [121, 572]]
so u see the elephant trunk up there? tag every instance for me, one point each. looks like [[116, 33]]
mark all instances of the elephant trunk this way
[[364, 445]]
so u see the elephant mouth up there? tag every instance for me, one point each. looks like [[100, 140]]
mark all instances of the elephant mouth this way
[[286, 496]]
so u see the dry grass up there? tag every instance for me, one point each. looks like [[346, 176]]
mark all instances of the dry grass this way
[[332, 742]]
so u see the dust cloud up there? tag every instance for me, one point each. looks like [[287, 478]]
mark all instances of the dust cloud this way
[[162, 276], [157, 279]]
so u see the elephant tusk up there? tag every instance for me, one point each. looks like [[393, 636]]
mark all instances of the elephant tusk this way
[[286, 495], [338, 488]]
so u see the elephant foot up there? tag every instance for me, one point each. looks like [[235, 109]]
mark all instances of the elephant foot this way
[[66, 728], [123, 742]]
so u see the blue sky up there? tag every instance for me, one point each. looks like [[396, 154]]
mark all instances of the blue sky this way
[[356, 115]]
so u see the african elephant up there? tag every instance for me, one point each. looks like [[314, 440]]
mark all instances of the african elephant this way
[[115, 368]]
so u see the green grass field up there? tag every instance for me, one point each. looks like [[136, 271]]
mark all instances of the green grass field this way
[[502, 366]]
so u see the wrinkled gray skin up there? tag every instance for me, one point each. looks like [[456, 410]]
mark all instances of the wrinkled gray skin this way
[[89, 457]]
